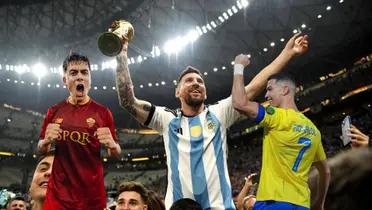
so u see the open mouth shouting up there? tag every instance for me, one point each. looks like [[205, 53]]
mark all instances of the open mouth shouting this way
[[44, 184], [80, 90]]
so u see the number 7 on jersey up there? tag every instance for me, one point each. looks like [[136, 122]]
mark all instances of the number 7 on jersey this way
[[307, 143]]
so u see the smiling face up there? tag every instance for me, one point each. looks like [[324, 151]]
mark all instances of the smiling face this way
[[77, 78], [274, 92], [40, 179], [191, 90], [130, 200]]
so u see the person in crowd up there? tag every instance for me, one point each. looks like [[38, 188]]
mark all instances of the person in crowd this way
[[155, 201], [358, 139], [77, 126], [40, 179], [17, 203], [186, 204], [245, 200], [351, 183], [132, 196]]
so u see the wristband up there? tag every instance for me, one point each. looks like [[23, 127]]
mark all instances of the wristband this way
[[238, 69]]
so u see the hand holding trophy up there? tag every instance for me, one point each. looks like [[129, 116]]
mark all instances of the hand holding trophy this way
[[110, 43]]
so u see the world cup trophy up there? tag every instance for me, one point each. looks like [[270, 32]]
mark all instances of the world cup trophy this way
[[110, 43]]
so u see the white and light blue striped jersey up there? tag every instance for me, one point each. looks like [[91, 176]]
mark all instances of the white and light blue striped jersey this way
[[196, 151]]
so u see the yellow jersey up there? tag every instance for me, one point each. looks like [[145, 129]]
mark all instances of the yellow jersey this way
[[291, 143]]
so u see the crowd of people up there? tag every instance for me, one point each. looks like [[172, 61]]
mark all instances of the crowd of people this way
[[70, 175]]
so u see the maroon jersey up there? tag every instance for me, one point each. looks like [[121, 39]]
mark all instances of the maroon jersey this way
[[77, 180]]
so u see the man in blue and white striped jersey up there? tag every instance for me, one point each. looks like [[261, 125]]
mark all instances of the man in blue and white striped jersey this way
[[195, 135]]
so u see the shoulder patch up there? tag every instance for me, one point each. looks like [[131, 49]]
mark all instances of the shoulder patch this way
[[270, 110]]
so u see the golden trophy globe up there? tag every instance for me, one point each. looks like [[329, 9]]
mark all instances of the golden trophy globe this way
[[110, 43]]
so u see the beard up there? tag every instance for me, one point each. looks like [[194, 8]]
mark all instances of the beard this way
[[194, 102]]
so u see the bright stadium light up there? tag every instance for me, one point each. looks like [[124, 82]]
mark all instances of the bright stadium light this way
[[39, 70], [244, 3], [239, 5], [21, 69], [192, 36], [174, 46], [204, 29], [234, 9], [213, 24], [221, 19], [225, 15], [198, 29]]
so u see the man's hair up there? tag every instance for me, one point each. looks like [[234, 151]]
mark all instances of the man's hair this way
[[44, 155], [155, 201], [186, 204], [135, 187], [73, 57], [283, 77], [17, 198], [189, 69]]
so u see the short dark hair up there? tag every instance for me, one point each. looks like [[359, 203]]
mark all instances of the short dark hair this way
[[187, 70], [283, 77], [74, 56], [17, 198], [185, 204], [135, 187], [44, 155]]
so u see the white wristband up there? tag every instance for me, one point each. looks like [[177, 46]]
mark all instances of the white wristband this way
[[238, 69]]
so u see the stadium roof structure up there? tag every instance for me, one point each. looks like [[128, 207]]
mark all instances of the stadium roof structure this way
[[46, 30]]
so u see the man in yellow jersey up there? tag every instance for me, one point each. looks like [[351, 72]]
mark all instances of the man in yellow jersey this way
[[291, 143]]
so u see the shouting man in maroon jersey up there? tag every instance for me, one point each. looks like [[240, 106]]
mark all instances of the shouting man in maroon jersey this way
[[78, 126]]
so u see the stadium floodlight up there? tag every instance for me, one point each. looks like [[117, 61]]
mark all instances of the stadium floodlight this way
[[213, 24], [244, 3], [192, 36], [174, 46], [39, 70], [225, 16], [272, 44], [230, 12], [198, 29], [209, 27], [328, 8], [234, 9], [319, 16], [139, 59], [21, 69], [282, 39], [204, 29], [303, 25], [239, 5], [221, 19]]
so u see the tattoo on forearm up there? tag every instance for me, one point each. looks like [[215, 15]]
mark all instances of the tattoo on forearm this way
[[125, 85]]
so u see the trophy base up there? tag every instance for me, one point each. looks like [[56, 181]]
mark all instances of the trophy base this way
[[109, 44]]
